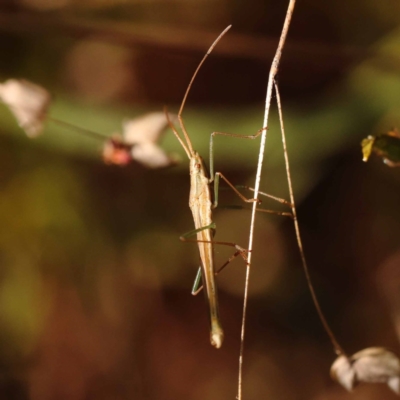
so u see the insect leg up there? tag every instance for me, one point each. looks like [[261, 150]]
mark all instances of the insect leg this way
[[234, 188], [258, 133], [185, 236], [217, 175], [196, 285], [240, 251]]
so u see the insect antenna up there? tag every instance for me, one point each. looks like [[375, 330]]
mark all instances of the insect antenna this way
[[189, 143], [176, 133]]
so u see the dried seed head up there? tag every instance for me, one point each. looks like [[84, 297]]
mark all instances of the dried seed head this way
[[374, 364], [28, 102]]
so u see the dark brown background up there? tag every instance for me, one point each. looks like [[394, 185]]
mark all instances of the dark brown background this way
[[95, 285]]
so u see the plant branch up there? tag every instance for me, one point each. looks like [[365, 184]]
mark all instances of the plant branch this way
[[272, 73], [77, 129], [338, 349]]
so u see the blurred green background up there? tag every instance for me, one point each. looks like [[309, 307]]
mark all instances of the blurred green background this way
[[95, 285]]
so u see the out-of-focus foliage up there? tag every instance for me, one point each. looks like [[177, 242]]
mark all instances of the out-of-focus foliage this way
[[386, 145], [95, 285]]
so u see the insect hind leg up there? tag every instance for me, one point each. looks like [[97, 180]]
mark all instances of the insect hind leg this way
[[197, 288]]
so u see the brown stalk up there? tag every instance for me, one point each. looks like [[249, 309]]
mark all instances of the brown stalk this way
[[338, 348], [272, 73]]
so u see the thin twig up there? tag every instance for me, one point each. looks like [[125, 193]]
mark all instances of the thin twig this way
[[338, 348], [272, 73], [83, 131]]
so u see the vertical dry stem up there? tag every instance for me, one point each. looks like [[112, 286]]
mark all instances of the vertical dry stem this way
[[272, 73], [338, 349]]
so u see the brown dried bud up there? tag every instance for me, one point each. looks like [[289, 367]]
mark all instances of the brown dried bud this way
[[116, 152]]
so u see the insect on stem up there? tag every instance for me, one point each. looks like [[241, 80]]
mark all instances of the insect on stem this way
[[201, 206]]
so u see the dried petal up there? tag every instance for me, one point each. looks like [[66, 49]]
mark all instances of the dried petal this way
[[394, 384], [142, 134], [147, 128], [343, 372], [28, 102], [116, 152], [152, 156], [374, 364]]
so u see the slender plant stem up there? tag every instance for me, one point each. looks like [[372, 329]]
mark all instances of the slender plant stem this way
[[86, 132], [338, 348], [272, 73]]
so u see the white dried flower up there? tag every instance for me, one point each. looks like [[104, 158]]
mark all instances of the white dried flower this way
[[343, 372], [374, 364], [28, 102], [143, 134]]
